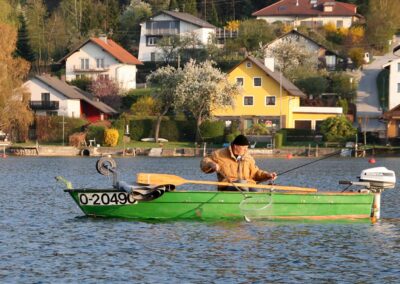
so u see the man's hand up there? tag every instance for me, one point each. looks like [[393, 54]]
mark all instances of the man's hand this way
[[272, 176], [215, 167]]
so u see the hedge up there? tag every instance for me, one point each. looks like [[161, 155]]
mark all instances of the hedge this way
[[49, 129], [96, 132], [212, 131]]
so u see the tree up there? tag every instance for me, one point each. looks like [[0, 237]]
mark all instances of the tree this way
[[6, 12], [337, 129], [253, 34], [184, 46], [24, 48], [204, 88], [146, 106], [165, 81], [343, 85], [15, 115], [382, 22], [356, 54], [137, 12], [36, 14], [188, 6], [107, 91], [289, 56], [313, 85]]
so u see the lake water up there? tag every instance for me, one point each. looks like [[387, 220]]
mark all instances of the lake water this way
[[44, 237]]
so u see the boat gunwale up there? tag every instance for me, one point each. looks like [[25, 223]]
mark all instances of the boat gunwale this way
[[86, 190]]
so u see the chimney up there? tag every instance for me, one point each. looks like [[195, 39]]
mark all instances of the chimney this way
[[297, 2], [269, 62], [103, 37]]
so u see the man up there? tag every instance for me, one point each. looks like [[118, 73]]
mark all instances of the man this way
[[234, 164]]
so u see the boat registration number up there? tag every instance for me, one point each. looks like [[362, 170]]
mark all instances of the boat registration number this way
[[106, 198]]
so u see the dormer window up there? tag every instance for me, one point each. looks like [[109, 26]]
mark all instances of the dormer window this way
[[328, 6]]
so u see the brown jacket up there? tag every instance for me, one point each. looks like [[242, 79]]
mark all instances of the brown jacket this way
[[244, 169]]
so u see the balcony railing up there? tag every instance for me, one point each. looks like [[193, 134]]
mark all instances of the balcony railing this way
[[91, 68], [44, 105], [162, 32]]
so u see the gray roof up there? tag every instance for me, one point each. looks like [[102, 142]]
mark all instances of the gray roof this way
[[189, 18], [73, 92], [278, 76]]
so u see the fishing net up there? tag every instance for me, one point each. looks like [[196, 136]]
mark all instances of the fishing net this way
[[258, 206]]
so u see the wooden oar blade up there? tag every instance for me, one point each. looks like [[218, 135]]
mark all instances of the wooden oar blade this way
[[157, 179]]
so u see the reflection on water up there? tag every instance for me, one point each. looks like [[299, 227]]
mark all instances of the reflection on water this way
[[44, 238]]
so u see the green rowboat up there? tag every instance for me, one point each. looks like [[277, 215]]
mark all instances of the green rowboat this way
[[161, 203]]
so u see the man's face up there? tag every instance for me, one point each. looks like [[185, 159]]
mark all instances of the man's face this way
[[239, 150]]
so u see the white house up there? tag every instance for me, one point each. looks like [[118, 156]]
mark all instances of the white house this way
[[170, 23], [310, 13], [326, 57], [394, 82], [102, 58], [51, 96]]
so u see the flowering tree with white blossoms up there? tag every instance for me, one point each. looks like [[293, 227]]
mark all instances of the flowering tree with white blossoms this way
[[165, 81], [204, 88]]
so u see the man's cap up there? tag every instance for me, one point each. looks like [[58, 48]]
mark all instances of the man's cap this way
[[241, 140]]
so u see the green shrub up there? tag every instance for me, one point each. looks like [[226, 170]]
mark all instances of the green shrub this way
[[132, 97], [258, 129], [169, 130], [119, 124], [278, 140], [142, 128], [96, 132], [337, 129], [187, 130], [212, 131]]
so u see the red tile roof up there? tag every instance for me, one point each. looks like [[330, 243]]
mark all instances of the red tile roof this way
[[112, 48], [305, 8], [116, 50]]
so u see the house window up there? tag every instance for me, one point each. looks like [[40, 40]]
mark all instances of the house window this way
[[249, 64], [398, 87], [100, 62], [84, 63], [152, 56], [45, 97], [240, 81], [398, 67], [152, 40], [270, 100], [257, 82], [248, 100], [302, 124], [339, 24]]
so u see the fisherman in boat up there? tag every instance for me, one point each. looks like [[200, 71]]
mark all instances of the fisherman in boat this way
[[234, 164]]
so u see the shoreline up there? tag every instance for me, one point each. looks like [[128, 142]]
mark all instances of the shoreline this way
[[70, 151]]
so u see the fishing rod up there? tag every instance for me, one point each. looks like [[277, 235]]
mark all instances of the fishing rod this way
[[309, 163]]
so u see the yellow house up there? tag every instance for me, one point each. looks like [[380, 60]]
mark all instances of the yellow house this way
[[268, 97]]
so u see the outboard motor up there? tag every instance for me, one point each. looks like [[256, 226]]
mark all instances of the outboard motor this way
[[374, 180], [378, 178]]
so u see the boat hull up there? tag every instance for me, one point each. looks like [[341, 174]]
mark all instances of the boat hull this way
[[214, 205]]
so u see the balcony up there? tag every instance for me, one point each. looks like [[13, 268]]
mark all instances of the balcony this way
[[162, 32], [91, 68], [44, 105]]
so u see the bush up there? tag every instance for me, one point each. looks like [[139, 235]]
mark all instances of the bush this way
[[212, 131], [142, 128], [258, 129], [49, 129], [111, 137], [357, 56], [132, 97], [337, 129], [278, 140], [169, 130], [96, 132]]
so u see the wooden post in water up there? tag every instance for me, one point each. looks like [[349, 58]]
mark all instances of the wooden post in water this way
[[204, 149]]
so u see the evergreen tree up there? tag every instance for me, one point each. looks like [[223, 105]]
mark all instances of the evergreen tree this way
[[173, 5], [24, 48], [212, 15], [188, 6]]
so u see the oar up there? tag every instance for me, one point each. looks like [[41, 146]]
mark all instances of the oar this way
[[158, 179]]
